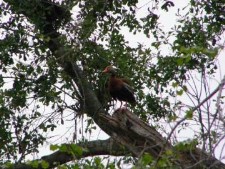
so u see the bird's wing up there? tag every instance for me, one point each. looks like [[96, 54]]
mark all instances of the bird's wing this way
[[128, 93], [125, 80], [128, 87]]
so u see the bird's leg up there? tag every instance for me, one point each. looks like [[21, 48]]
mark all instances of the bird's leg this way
[[114, 104], [121, 103], [125, 105]]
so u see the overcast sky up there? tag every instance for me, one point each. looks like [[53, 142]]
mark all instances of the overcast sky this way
[[168, 20]]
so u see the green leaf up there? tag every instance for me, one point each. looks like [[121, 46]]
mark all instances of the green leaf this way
[[180, 61], [54, 147], [71, 149], [175, 84], [44, 164], [180, 92], [97, 161], [189, 114], [34, 164], [77, 150], [146, 159], [63, 148]]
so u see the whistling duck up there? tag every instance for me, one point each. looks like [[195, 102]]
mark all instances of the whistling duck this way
[[118, 87]]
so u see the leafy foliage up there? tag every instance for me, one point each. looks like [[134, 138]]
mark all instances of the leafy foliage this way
[[32, 78]]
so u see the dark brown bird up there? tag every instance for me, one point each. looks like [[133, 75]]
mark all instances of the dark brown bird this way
[[119, 87]]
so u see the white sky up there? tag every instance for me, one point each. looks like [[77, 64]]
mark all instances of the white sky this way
[[168, 20]]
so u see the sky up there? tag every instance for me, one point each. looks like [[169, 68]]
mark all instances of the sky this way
[[167, 20]]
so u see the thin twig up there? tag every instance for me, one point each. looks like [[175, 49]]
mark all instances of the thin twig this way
[[219, 87]]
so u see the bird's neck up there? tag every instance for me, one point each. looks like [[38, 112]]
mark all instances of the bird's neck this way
[[113, 75]]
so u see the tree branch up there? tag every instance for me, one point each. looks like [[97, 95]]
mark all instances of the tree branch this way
[[124, 127], [91, 148]]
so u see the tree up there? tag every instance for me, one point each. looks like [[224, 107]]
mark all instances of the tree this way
[[49, 57]]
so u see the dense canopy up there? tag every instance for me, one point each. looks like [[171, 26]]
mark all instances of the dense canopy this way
[[52, 54]]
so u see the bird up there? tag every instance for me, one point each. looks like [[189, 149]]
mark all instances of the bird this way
[[119, 88]]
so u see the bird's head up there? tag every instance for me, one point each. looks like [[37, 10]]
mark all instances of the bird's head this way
[[110, 69]]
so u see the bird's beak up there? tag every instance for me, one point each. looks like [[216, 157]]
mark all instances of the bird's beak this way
[[105, 71]]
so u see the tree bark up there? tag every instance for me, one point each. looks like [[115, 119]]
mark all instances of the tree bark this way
[[124, 127], [91, 148]]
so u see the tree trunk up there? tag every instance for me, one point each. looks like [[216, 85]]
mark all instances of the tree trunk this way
[[124, 127]]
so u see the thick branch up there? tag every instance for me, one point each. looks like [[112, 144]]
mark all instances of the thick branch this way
[[91, 148], [124, 127]]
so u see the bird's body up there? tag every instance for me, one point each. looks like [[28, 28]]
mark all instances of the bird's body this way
[[119, 88]]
